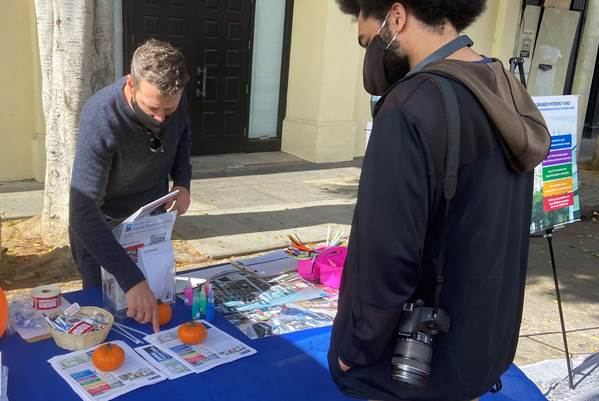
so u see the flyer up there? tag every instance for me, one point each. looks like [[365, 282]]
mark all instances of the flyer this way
[[218, 348], [147, 239], [556, 195], [171, 366], [78, 370]]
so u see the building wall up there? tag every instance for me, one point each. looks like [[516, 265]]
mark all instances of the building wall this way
[[327, 109], [494, 35], [319, 126], [20, 101]]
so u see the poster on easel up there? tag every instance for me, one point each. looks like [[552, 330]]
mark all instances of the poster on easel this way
[[556, 195]]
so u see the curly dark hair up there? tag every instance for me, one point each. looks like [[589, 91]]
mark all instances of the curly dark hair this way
[[460, 13]]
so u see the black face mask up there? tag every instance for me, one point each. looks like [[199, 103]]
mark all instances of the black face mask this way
[[383, 66], [146, 120]]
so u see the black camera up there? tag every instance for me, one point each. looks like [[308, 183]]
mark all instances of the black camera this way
[[414, 347]]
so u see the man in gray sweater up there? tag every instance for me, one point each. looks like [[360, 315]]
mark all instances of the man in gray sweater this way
[[133, 135]]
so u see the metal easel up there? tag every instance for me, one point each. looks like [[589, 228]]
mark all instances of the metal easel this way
[[518, 63]]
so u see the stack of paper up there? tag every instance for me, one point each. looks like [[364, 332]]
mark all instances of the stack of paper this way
[[3, 381], [147, 239], [166, 357]]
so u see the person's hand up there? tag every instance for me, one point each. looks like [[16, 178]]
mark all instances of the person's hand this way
[[141, 305], [343, 366], [181, 202]]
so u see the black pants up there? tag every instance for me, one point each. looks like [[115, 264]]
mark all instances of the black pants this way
[[86, 263]]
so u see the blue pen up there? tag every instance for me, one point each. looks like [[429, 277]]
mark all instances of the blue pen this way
[[210, 305]]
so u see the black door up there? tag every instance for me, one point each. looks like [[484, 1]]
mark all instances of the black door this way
[[214, 36]]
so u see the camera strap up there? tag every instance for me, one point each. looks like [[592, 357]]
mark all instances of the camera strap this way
[[452, 161], [452, 164]]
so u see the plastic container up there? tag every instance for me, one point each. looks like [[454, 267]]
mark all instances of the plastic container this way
[[188, 293], [325, 268]]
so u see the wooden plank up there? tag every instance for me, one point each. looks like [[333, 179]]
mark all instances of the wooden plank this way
[[561, 4], [528, 35], [552, 53]]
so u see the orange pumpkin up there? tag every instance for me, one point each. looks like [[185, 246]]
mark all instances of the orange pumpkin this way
[[3, 312], [165, 313], [192, 333], [108, 357]]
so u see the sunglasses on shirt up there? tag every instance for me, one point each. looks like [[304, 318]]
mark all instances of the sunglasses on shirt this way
[[154, 142]]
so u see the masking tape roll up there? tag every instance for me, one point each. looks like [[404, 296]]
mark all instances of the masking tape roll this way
[[45, 297]]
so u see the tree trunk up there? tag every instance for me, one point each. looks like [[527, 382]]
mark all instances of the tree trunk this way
[[76, 54]]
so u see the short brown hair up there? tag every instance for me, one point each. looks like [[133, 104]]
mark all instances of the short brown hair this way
[[161, 64]]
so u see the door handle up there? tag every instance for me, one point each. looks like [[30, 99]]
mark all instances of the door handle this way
[[201, 75]]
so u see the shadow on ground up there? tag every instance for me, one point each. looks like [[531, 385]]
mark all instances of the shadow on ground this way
[[208, 226], [201, 171]]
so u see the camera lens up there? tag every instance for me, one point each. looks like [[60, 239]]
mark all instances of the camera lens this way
[[411, 360]]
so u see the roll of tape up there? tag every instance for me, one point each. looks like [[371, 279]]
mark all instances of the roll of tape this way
[[45, 297]]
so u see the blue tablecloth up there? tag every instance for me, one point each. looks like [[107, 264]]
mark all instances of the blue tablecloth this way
[[290, 367]]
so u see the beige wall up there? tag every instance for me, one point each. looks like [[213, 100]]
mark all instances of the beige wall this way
[[20, 104], [324, 48], [319, 126], [494, 33], [327, 108]]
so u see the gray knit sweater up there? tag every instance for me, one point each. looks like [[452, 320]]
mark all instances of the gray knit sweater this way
[[115, 173]]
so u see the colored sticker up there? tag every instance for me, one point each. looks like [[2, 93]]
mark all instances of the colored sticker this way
[[561, 142], [558, 187], [557, 172], [554, 203], [558, 157]]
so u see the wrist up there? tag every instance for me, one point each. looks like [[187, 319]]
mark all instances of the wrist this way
[[344, 367]]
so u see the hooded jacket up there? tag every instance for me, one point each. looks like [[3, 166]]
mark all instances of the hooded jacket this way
[[397, 226]]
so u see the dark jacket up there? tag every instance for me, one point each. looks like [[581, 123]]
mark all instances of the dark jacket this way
[[115, 173], [397, 227]]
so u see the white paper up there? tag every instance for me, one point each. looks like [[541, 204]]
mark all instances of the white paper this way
[[4, 386], [169, 365], [271, 264], [201, 276], [181, 283], [78, 370], [150, 207], [219, 348], [30, 324], [208, 273], [145, 231], [148, 242], [157, 262]]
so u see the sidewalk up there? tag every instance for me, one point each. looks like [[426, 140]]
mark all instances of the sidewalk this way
[[21, 199], [246, 204], [243, 204]]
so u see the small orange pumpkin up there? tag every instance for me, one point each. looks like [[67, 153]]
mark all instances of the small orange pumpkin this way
[[3, 312], [165, 313], [108, 357], [192, 333]]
